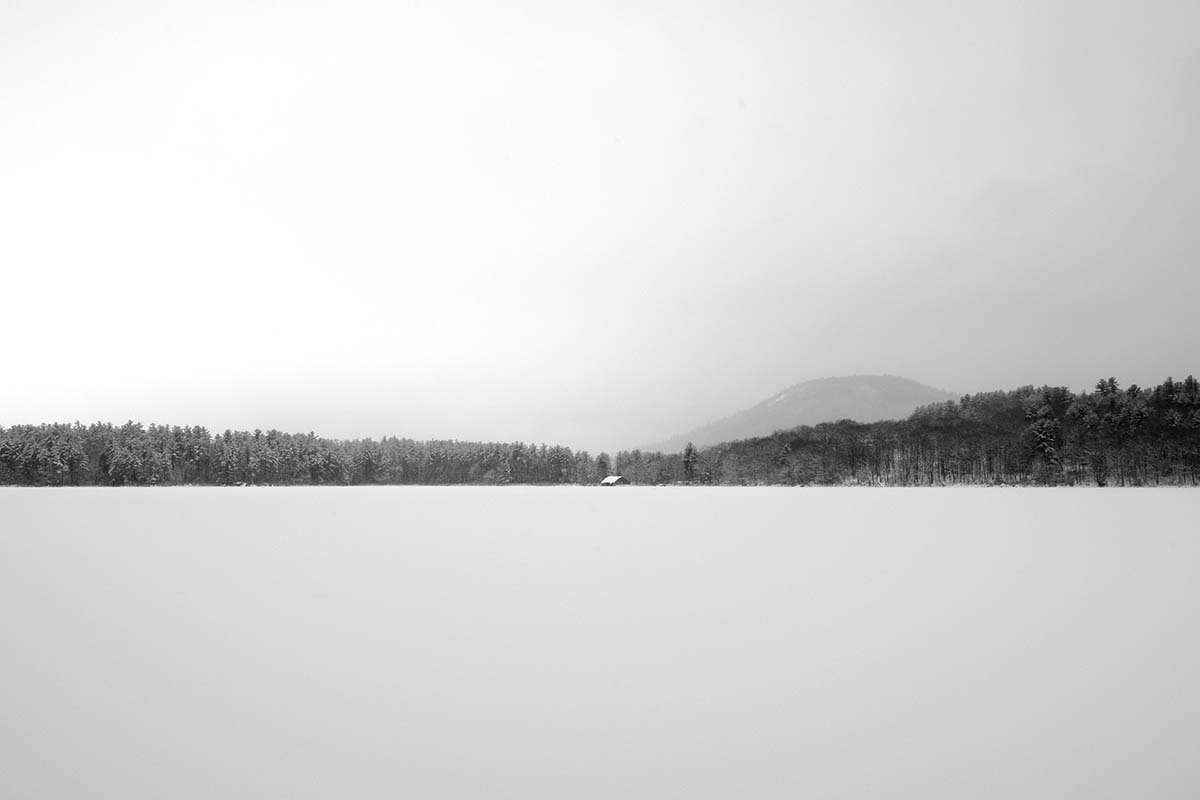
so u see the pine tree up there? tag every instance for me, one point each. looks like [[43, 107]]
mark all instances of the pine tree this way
[[689, 463]]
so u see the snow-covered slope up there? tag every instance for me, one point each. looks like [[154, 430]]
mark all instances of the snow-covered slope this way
[[864, 398]]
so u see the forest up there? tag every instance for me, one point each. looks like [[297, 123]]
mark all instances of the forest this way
[[1029, 436], [102, 454], [1045, 435]]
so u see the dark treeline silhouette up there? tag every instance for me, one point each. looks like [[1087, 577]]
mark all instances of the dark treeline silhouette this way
[[1043, 436], [161, 455]]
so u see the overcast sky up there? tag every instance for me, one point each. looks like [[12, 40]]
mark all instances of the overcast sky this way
[[593, 223]]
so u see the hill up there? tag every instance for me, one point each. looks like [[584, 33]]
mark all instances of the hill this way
[[863, 398]]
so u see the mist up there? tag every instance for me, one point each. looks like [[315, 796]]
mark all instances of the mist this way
[[596, 224]]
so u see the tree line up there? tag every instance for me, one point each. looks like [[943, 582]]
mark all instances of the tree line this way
[[1032, 435], [103, 454]]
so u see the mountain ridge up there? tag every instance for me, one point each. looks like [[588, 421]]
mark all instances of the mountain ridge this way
[[863, 398]]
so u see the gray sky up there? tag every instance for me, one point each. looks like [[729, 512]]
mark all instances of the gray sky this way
[[595, 223]]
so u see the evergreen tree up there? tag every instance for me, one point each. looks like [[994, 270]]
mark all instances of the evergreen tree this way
[[689, 463]]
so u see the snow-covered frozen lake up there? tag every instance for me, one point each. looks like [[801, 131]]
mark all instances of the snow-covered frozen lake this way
[[599, 643]]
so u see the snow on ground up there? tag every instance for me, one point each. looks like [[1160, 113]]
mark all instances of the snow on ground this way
[[583, 643]]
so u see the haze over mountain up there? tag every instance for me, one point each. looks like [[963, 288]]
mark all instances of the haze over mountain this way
[[863, 398], [556, 222]]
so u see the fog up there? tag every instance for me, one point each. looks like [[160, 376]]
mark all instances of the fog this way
[[598, 643], [593, 223]]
